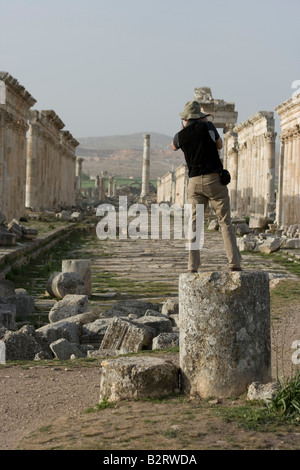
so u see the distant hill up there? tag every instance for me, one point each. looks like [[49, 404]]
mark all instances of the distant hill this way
[[129, 141], [122, 155]]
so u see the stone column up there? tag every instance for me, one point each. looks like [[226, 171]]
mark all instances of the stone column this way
[[270, 161], [158, 191], [32, 187], [110, 186], [146, 167], [78, 173], [101, 188], [224, 321], [82, 267], [297, 172], [279, 201]]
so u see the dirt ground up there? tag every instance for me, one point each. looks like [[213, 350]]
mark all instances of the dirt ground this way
[[44, 407]]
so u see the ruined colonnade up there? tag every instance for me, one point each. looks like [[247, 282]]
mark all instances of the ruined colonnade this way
[[51, 163], [249, 154], [15, 103], [288, 200], [38, 164]]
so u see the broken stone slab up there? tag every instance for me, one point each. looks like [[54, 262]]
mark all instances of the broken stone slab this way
[[104, 353], [69, 328], [65, 283], [265, 392], [224, 332], [82, 267], [130, 378], [124, 334], [258, 222], [94, 332], [61, 329], [69, 306], [291, 243], [270, 245], [63, 349], [213, 225], [158, 323], [24, 303], [64, 215], [76, 217], [7, 288], [166, 340], [29, 233], [246, 244], [15, 228], [170, 306], [292, 230], [21, 344], [238, 220], [81, 319], [135, 308], [7, 239], [173, 318], [242, 229], [8, 316]]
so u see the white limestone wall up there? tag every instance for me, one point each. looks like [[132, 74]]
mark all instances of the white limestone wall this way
[[67, 175], [15, 103], [181, 182], [43, 160], [166, 188], [51, 163], [288, 200], [250, 158]]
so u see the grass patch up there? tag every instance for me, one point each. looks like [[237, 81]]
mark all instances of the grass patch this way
[[111, 281], [101, 406], [291, 265], [287, 401], [282, 410]]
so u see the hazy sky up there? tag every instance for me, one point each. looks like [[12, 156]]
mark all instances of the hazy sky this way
[[126, 66]]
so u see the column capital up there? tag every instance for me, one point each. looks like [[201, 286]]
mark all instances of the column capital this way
[[270, 136]]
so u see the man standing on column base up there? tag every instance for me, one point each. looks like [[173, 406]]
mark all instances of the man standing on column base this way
[[200, 141]]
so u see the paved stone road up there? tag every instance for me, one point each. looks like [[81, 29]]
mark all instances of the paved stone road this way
[[162, 261]]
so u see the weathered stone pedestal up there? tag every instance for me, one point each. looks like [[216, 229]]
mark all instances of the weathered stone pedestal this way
[[82, 267], [224, 320]]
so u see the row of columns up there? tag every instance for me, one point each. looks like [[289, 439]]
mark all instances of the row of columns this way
[[172, 187], [288, 200], [51, 163], [38, 164], [15, 103], [249, 155]]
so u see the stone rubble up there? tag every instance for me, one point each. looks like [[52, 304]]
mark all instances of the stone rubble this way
[[14, 231], [75, 331]]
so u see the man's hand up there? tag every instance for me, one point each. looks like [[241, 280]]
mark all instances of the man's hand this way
[[219, 143]]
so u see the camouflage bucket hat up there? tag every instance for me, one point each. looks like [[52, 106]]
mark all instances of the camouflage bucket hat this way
[[192, 111]]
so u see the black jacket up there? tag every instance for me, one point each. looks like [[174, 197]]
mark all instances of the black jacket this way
[[199, 149]]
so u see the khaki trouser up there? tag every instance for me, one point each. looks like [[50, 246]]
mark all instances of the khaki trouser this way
[[201, 190]]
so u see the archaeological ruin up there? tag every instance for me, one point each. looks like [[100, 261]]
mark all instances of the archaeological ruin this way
[[35, 153], [264, 186], [40, 173]]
